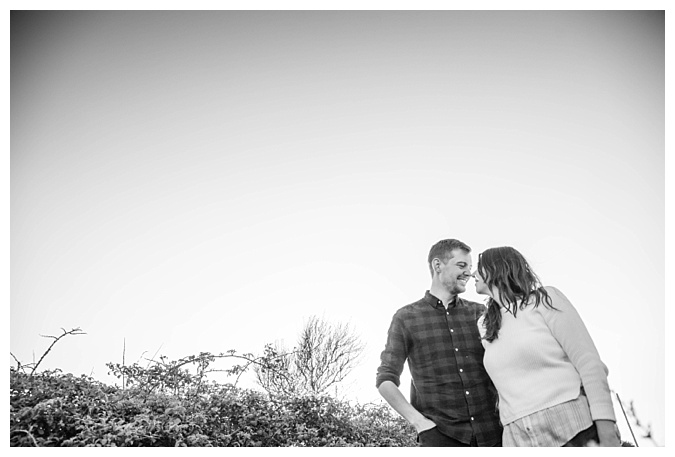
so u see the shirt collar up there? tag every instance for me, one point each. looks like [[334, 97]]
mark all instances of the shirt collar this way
[[436, 303]]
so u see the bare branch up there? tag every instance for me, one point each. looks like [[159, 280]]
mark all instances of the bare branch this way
[[75, 331], [18, 363], [326, 353]]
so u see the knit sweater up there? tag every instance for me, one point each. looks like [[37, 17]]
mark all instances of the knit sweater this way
[[542, 357]]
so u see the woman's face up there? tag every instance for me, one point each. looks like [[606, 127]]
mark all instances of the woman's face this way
[[481, 286]]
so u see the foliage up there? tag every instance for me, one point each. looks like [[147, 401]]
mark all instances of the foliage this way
[[171, 402], [166, 404], [325, 354], [55, 409]]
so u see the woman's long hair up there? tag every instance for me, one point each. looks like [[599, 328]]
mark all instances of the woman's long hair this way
[[507, 270]]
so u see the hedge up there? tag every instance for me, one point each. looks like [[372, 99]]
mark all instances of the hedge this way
[[55, 409]]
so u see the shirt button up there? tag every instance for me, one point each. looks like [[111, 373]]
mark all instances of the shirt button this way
[[456, 349], [467, 392], [447, 312], [452, 331], [472, 418], [461, 370]]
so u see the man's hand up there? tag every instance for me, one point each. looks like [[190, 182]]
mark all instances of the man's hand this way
[[423, 425], [608, 433], [395, 398]]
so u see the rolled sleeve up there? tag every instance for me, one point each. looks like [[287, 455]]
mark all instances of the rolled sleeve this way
[[394, 355]]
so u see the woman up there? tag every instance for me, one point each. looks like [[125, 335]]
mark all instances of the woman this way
[[552, 385]]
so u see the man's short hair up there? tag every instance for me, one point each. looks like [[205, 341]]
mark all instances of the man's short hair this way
[[443, 249]]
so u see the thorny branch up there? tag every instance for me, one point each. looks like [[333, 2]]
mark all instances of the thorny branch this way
[[34, 366]]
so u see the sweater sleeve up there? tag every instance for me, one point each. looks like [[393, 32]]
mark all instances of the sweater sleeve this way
[[569, 330]]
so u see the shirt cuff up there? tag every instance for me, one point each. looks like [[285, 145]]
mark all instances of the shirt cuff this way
[[381, 378], [603, 412]]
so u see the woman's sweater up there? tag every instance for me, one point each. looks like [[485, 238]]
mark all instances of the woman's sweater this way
[[542, 357]]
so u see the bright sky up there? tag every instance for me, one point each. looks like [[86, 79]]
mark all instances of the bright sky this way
[[205, 181]]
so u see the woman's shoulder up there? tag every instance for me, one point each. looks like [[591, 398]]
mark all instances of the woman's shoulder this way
[[552, 291], [555, 293], [559, 300]]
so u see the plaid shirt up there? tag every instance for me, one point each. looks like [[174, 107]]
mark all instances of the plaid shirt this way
[[445, 357], [550, 427]]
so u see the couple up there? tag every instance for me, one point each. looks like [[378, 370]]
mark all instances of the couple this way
[[527, 348]]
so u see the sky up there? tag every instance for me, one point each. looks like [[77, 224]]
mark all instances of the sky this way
[[188, 181]]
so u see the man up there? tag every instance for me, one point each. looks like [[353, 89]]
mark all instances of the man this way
[[452, 400]]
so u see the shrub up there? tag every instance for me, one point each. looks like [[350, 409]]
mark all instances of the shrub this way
[[56, 409]]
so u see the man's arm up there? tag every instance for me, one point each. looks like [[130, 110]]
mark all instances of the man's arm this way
[[391, 393], [389, 376]]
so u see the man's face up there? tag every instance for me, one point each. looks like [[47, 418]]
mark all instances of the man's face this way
[[456, 272]]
